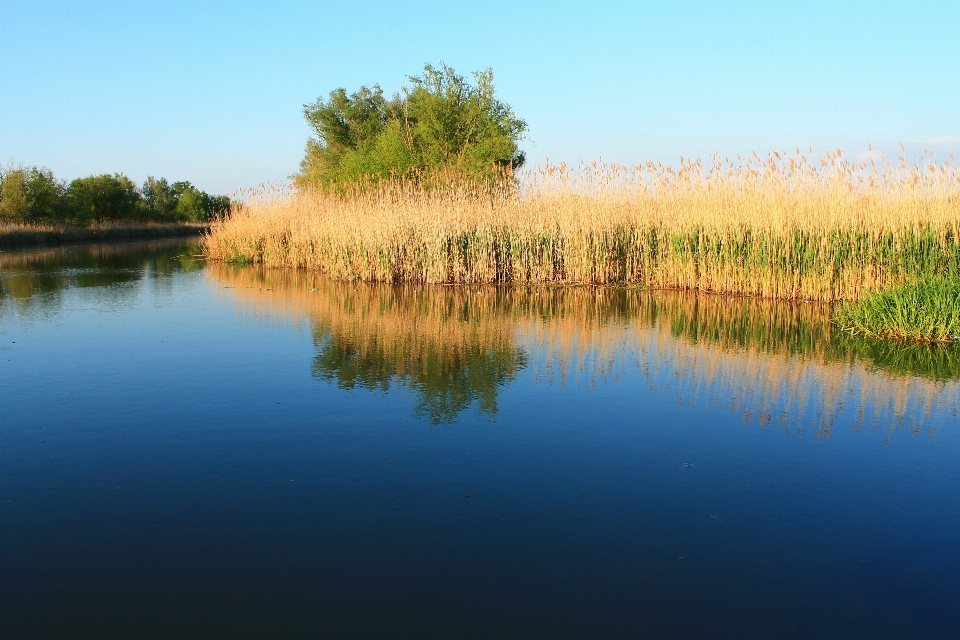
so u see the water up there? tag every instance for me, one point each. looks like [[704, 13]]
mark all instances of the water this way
[[206, 451]]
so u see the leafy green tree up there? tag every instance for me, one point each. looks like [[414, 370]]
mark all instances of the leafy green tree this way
[[195, 205], [191, 204], [30, 195], [14, 202], [217, 206], [161, 198], [105, 198], [183, 202], [46, 195], [438, 126]]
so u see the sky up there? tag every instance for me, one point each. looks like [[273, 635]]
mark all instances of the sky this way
[[213, 92]]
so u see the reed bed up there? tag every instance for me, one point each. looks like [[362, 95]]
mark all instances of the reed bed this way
[[781, 227], [772, 362]]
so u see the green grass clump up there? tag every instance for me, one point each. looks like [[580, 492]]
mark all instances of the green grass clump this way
[[927, 310], [238, 260]]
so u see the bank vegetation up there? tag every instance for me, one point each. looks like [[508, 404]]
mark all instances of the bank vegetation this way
[[36, 207], [791, 226]]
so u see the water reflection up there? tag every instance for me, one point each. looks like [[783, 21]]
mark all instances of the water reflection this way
[[452, 349], [773, 362], [190, 457], [33, 282], [448, 353]]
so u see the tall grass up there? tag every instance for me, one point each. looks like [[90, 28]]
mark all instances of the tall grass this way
[[782, 227]]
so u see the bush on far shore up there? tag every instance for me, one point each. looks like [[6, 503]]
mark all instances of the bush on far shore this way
[[33, 195]]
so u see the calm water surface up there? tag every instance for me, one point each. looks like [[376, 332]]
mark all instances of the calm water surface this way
[[214, 452]]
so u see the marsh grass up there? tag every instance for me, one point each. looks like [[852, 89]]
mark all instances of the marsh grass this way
[[923, 310], [781, 227]]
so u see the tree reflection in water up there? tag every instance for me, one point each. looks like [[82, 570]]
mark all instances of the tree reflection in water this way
[[34, 281], [447, 376]]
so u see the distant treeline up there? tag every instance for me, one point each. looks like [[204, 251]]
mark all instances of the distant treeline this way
[[33, 195]]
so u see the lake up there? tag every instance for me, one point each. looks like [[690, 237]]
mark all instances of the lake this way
[[208, 451]]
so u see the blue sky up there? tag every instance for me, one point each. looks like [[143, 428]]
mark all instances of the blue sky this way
[[212, 92]]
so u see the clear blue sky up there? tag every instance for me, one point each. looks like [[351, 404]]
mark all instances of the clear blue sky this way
[[212, 91]]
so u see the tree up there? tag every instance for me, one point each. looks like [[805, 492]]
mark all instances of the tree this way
[[217, 206], [161, 198], [190, 203], [194, 205], [46, 195], [105, 198], [14, 202], [30, 195], [438, 126]]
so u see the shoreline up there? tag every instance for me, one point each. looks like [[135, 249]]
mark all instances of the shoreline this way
[[23, 236]]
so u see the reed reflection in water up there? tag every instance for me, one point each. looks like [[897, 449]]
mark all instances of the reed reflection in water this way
[[773, 362]]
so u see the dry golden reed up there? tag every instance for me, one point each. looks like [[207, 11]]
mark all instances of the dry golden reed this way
[[780, 227]]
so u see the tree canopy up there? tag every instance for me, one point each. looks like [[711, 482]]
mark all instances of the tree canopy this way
[[438, 126], [30, 195]]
